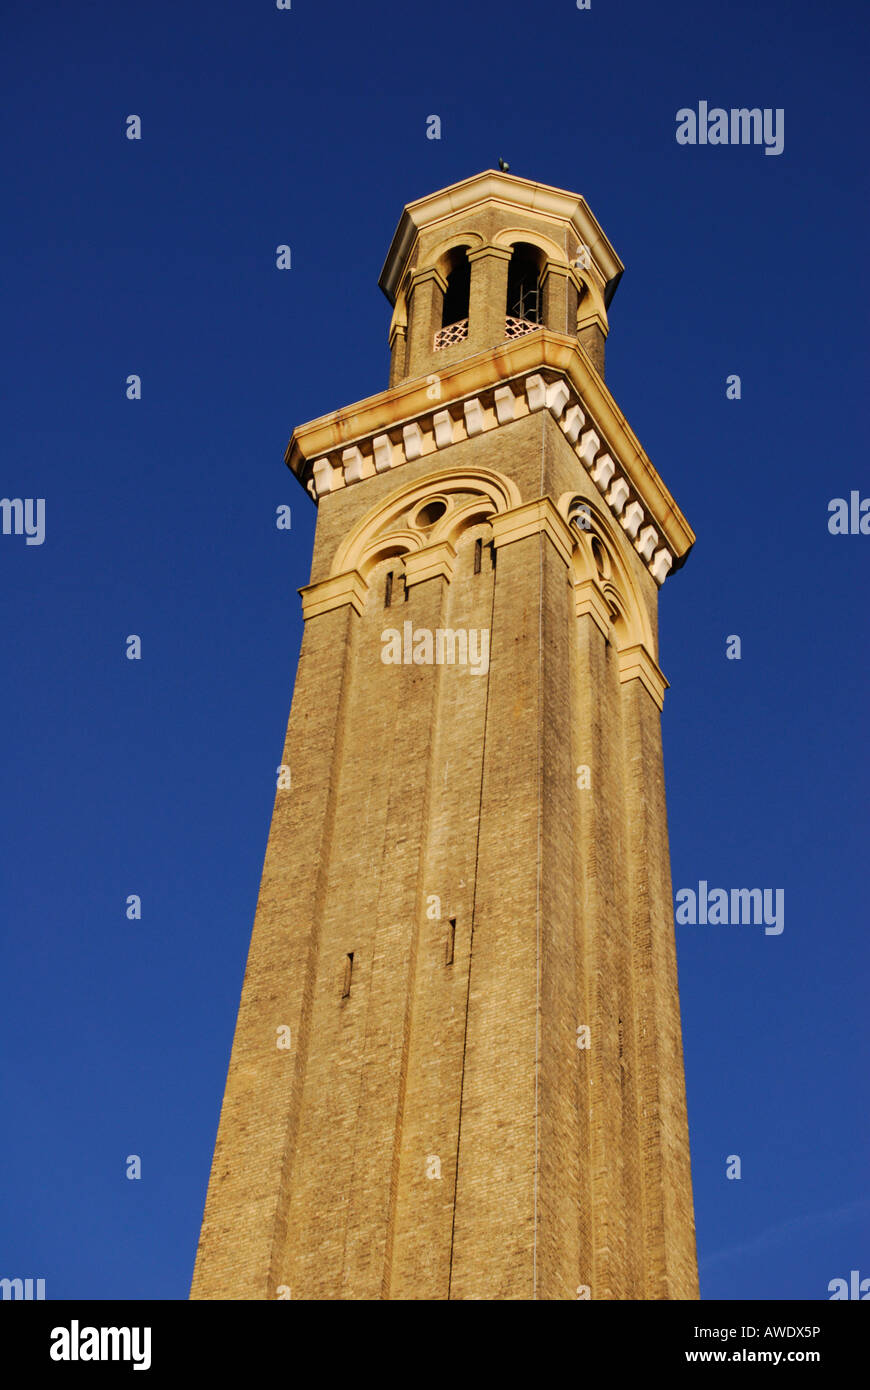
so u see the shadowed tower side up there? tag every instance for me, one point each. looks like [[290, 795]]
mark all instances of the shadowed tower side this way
[[457, 1069]]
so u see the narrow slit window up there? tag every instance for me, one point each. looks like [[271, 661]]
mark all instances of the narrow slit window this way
[[348, 972], [451, 941], [388, 590], [478, 554]]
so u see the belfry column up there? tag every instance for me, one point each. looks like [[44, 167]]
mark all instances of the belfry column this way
[[425, 298], [488, 297]]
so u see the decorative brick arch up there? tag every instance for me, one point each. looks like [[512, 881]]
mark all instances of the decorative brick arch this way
[[439, 257], [621, 609], [393, 527], [509, 236], [590, 303]]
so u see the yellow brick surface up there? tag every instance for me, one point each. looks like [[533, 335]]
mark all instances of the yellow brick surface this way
[[559, 1166]]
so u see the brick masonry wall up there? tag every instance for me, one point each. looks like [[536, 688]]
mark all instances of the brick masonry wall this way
[[437, 1133]]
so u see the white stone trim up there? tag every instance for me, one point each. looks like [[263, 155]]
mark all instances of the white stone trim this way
[[443, 423], [352, 460], [588, 448], [558, 396], [536, 392], [660, 564], [325, 477], [602, 472], [412, 437], [474, 420], [491, 409], [505, 404], [647, 542], [618, 495], [573, 423], [631, 519], [383, 452]]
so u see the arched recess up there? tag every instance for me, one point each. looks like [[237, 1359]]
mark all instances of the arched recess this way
[[448, 310], [395, 546], [509, 236], [408, 520], [598, 560], [524, 300], [591, 300], [457, 296], [439, 257]]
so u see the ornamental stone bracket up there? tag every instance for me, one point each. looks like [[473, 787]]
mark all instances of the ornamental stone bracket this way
[[491, 408]]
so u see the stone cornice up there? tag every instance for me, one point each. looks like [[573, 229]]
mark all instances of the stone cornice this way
[[502, 253], [334, 592], [542, 370], [590, 602], [430, 563], [587, 318], [635, 663], [530, 519], [419, 277]]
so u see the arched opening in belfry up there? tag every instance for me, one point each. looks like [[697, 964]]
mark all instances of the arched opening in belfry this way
[[523, 290], [455, 306]]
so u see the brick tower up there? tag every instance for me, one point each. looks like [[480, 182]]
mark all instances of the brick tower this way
[[457, 1069]]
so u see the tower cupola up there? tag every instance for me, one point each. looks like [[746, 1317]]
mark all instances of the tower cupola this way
[[487, 261]]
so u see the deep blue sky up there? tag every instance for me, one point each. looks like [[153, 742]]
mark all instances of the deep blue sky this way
[[157, 777]]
